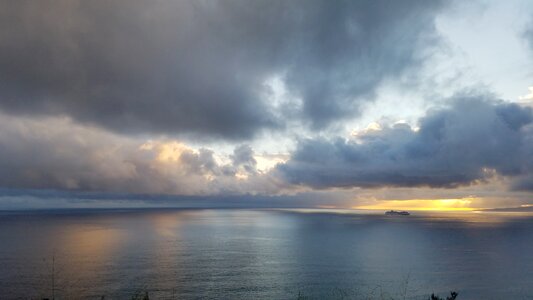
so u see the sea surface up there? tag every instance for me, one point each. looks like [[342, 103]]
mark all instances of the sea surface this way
[[264, 254]]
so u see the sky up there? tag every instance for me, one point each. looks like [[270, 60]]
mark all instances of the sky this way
[[305, 103]]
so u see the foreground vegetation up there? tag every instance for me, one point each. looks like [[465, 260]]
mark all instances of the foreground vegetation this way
[[341, 295]]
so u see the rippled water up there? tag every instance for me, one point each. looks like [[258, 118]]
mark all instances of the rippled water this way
[[262, 254]]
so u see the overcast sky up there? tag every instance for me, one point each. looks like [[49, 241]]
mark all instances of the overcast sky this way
[[307, 103]]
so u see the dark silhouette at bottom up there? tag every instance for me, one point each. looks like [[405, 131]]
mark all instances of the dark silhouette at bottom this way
[[453, 296]]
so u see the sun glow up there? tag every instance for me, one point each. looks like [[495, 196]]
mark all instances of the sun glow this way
[[528, 96], [370, 128], [171, 151], [266, 162], [461, 204]]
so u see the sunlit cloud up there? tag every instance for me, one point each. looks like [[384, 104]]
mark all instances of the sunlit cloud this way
[[266, 162], [166, 151], [528, 96], [371, 127]]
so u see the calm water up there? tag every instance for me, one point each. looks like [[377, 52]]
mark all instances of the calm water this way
[[246, 254]]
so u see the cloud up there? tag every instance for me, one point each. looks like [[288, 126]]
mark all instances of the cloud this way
[[243, 156], [528, 96], [55, 153], [470, 142], [14, 199], [199, 67], [478, 140]]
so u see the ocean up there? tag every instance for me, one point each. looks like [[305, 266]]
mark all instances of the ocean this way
[[264, 254]]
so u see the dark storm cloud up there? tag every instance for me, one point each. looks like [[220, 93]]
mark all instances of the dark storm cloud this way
[[463, 144], [198, 67]]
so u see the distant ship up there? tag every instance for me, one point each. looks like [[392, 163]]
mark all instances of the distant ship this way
[[397, 213]]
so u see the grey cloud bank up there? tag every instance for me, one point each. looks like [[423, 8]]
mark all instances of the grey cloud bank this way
[[474, 140], [464, 144], [16, 199], [55, 153], [198, 67]]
